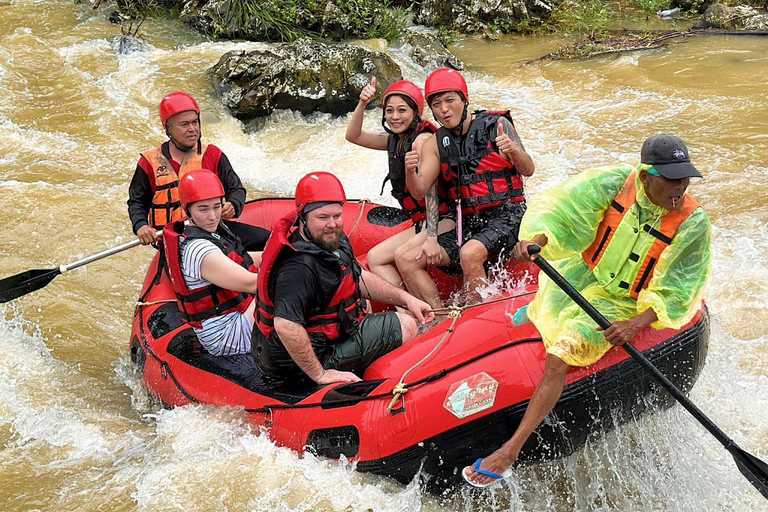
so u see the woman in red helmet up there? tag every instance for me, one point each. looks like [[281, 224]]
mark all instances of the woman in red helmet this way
[[154, 195], [405, 133], [312, 326], [481, 160], [213, 276]]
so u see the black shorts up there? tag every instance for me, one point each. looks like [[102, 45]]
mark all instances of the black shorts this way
[[379, 334], [496, 228]]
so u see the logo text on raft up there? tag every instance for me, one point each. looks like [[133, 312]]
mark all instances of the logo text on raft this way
[[471, 395]]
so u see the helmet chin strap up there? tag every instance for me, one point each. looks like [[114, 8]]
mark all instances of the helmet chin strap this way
[[458, 130]]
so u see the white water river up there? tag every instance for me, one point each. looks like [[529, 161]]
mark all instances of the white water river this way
[[79, 433]]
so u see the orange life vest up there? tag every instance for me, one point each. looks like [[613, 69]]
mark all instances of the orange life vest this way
[[166, 206], [210, 301], [664, 235], [343, 313]]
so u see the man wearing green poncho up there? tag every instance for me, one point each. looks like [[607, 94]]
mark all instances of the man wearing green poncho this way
[[635, 244]]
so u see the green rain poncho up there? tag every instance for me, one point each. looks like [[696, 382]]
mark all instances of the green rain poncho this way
[[569, 216]]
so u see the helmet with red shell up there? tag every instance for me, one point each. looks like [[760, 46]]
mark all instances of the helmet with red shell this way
[[175, 103], [199, 185], [319, 187], [444, 80]]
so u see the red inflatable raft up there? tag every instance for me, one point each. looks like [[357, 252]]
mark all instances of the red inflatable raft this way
[[430, 407]]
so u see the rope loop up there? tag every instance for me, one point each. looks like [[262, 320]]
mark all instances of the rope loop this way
[[399, 393]]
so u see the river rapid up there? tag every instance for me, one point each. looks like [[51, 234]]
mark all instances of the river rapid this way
[[78, 431]]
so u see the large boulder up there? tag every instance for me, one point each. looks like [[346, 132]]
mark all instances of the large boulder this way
[[481, 15], [306, 75], [740, 17], [427, 51]]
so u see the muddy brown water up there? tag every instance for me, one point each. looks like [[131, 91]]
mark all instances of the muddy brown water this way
[[78, 432]]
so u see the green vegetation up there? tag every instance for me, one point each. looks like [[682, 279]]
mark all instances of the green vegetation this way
[[135, 13], [276, 20], [651, 6], [288, 20], [581, 16]]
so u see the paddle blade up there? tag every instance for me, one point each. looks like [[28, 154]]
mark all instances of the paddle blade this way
[[753, 468], [21, 284]]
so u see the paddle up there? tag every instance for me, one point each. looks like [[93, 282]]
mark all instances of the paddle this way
[[750, 466], [21, 284]]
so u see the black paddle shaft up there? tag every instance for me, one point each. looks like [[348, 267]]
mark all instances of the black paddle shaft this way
[[751, 467]]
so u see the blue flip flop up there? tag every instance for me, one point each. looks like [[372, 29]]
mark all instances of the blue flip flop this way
[[496, 477]]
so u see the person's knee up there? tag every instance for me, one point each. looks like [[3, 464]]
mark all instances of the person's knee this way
[[555, 367], [406, 261], [472, 255], [376, 257], [408, 326]]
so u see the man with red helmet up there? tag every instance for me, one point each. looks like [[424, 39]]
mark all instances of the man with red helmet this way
[[153, 194], [405, 132], [481, 161], [213, 276], [312, 327]]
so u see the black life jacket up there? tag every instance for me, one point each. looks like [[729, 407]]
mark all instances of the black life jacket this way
[[473, 167], [210, 301], [343, 313], [415, 208]]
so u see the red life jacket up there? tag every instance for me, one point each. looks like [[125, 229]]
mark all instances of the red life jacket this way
[[343, 313], [210, 301], [473, 167], [416, 209]]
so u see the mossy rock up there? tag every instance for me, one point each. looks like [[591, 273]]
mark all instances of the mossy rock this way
[[307, 76]]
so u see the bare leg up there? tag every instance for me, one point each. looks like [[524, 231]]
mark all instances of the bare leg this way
[[415, 275], [473, 255], [408, 326], [542, 402], [381, 258]]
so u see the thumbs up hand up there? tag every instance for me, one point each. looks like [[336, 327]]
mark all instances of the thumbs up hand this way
[[368, 92], [504, 143], [412, 158]]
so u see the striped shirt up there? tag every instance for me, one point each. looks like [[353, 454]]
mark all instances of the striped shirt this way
[[223, 335]]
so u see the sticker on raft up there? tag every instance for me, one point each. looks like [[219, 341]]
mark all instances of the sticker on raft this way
[[471, 395]]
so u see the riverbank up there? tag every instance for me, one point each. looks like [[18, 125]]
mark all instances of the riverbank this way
[[289, 20]]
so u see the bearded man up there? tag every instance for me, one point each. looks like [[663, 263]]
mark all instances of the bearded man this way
[[312, 324]]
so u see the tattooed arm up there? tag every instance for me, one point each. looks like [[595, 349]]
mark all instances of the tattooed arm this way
[[432, 210], [511, 147]]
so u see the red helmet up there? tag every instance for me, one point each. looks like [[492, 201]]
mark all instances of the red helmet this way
[[405, 88], [444, 80], [319, 186], [199, 185], [174, 103]]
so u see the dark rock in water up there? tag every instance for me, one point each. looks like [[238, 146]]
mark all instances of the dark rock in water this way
[[125, 45], [479, 15], [426, 50], [307, 76], [116, 17], [740, 17]]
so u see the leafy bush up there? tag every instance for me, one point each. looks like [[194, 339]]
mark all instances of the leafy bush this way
[[581, 16]]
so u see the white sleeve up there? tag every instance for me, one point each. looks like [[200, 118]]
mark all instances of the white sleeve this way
[[192, 254]]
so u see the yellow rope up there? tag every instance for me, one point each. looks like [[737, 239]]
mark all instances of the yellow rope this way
[[400, 389], [359, 217], [454, 312]]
